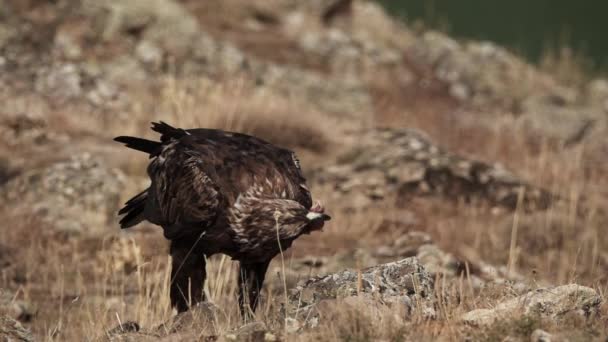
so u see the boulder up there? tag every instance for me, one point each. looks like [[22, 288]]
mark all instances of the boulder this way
[[75, 196], [406, 163], [551, 303], [405, 284]]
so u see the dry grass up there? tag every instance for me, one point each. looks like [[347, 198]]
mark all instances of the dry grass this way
[[84, 286]]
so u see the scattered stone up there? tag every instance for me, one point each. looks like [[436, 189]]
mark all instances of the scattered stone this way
[[62, 82], [540, 336], [126, 327], [25, 128], [11, 330], [251, 332], [77, 196], [552, 303], [404, 283], [106, 94], [149, 53]]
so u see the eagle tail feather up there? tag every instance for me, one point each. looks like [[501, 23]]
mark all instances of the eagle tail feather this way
[[167, 131], [139, 144], [134, 210]]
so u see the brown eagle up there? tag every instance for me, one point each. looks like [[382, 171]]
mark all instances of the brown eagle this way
[[214, 191]]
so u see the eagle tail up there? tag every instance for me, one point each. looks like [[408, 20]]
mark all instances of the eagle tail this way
[[134, 210], [167, 131], [139, 144]]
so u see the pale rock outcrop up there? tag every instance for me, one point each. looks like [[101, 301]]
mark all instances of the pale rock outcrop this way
[[404, 163], [552, 303], [405, 284], [75, 196]]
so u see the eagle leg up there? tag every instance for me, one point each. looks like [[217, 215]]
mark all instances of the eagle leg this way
[[251, 279], [188, 275]]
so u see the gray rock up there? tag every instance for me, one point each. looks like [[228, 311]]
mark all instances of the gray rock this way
[[80, 195], [11, 330], [404, 283], [552, 303]]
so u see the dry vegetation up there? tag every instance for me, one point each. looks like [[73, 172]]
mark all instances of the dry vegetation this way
[[80, 286]]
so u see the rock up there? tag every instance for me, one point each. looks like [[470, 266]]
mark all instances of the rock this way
[[76, 196], [597, 93], [489, 73], [11, 330], [251, 332], [126, 327], [404, 283], [15, 308], [447, 265], [70, 39], [346, 97], [124, 70], [366, 40], [62, 82], [106, 94], [552, 303], [28, 128], [540, 336], [149, 54], [165, 22], [436, 261], [6, 171], [215, 57], [487, 77], [201, 314], [406, 163]]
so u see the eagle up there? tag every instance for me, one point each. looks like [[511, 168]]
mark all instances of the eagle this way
[[214, 191]]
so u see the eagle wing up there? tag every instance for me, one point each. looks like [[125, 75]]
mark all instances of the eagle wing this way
[[239, 163], [186, 199]]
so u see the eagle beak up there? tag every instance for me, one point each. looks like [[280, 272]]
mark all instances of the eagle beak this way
[[316, 220]]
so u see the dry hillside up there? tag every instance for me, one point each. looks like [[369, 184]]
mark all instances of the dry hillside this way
[[468, 188]]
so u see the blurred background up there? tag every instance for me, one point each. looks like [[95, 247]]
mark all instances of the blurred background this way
[[470, 136], [535, 31]]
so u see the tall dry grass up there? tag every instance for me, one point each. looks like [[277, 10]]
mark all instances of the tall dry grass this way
[[85, 286]]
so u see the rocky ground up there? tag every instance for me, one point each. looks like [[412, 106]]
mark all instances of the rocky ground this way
[[468, 188]]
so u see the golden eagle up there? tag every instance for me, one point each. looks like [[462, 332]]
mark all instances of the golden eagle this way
[[214, 191]]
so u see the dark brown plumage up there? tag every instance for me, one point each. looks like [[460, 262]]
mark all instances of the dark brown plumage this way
[[221, 192]]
